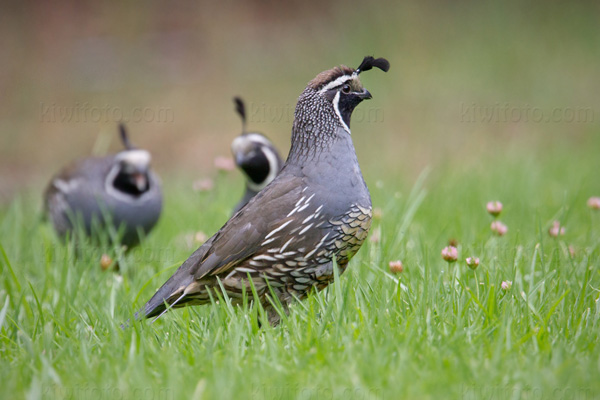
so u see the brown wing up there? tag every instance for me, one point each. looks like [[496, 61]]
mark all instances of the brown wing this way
[[239, 239], [243, 235]]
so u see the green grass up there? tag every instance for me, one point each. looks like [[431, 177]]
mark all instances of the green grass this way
[[434, 331]]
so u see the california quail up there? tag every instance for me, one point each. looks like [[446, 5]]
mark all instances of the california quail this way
[[119, 189], [256, 156], [318, 208]]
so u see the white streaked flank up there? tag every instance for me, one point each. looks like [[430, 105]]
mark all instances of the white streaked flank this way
[[285, 245], [318, 245], [303, 207], [307, 227], [311, 216], [266, 242], [274, 231], [264, 257], [300, 201], [245, 270]]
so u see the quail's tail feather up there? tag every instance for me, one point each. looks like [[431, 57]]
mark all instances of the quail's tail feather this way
[[172, 291], [169, 294]]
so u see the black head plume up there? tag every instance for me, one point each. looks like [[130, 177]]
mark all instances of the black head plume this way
[[125, 137], [240, 108], [370, 62]]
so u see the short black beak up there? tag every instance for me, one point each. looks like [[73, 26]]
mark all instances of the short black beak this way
[[365, 95]]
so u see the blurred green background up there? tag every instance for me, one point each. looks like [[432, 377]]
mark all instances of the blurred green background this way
[[471, 83]]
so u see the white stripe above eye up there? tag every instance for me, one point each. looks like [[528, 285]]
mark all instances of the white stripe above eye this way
[[336, 101], [138, 158], [258, 138], [336, 83]]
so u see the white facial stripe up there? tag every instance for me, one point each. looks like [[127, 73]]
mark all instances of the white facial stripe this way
[[258, 138], [336, 101], [336, 83], [243, 142], [110, 189], [138, 158], [273, 170], [238, 144]]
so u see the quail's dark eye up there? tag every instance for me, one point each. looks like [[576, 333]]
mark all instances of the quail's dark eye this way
[[346, 89]]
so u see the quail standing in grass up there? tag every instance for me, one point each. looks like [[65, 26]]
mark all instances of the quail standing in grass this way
[[256, 156], [119, 191], [317, 210]]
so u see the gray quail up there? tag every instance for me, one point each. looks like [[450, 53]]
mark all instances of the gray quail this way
[[316, 210], [256, 156], [119, 189]]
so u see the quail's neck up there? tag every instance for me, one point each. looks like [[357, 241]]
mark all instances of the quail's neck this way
[[315, 130]]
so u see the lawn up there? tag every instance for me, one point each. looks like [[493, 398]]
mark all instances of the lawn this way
[[436, 330], [484, 101]]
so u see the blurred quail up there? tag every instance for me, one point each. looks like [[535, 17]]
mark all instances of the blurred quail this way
[[256, 156], [119, 190], [316, 210]]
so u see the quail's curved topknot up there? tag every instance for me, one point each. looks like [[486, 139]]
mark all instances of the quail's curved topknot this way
[[125, 137], [370, 62], [240, 108], [334, 73]]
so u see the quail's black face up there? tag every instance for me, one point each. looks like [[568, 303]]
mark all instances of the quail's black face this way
[[132, 176], [255, 155], [254, 163], [345, 93], [133, 182]]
